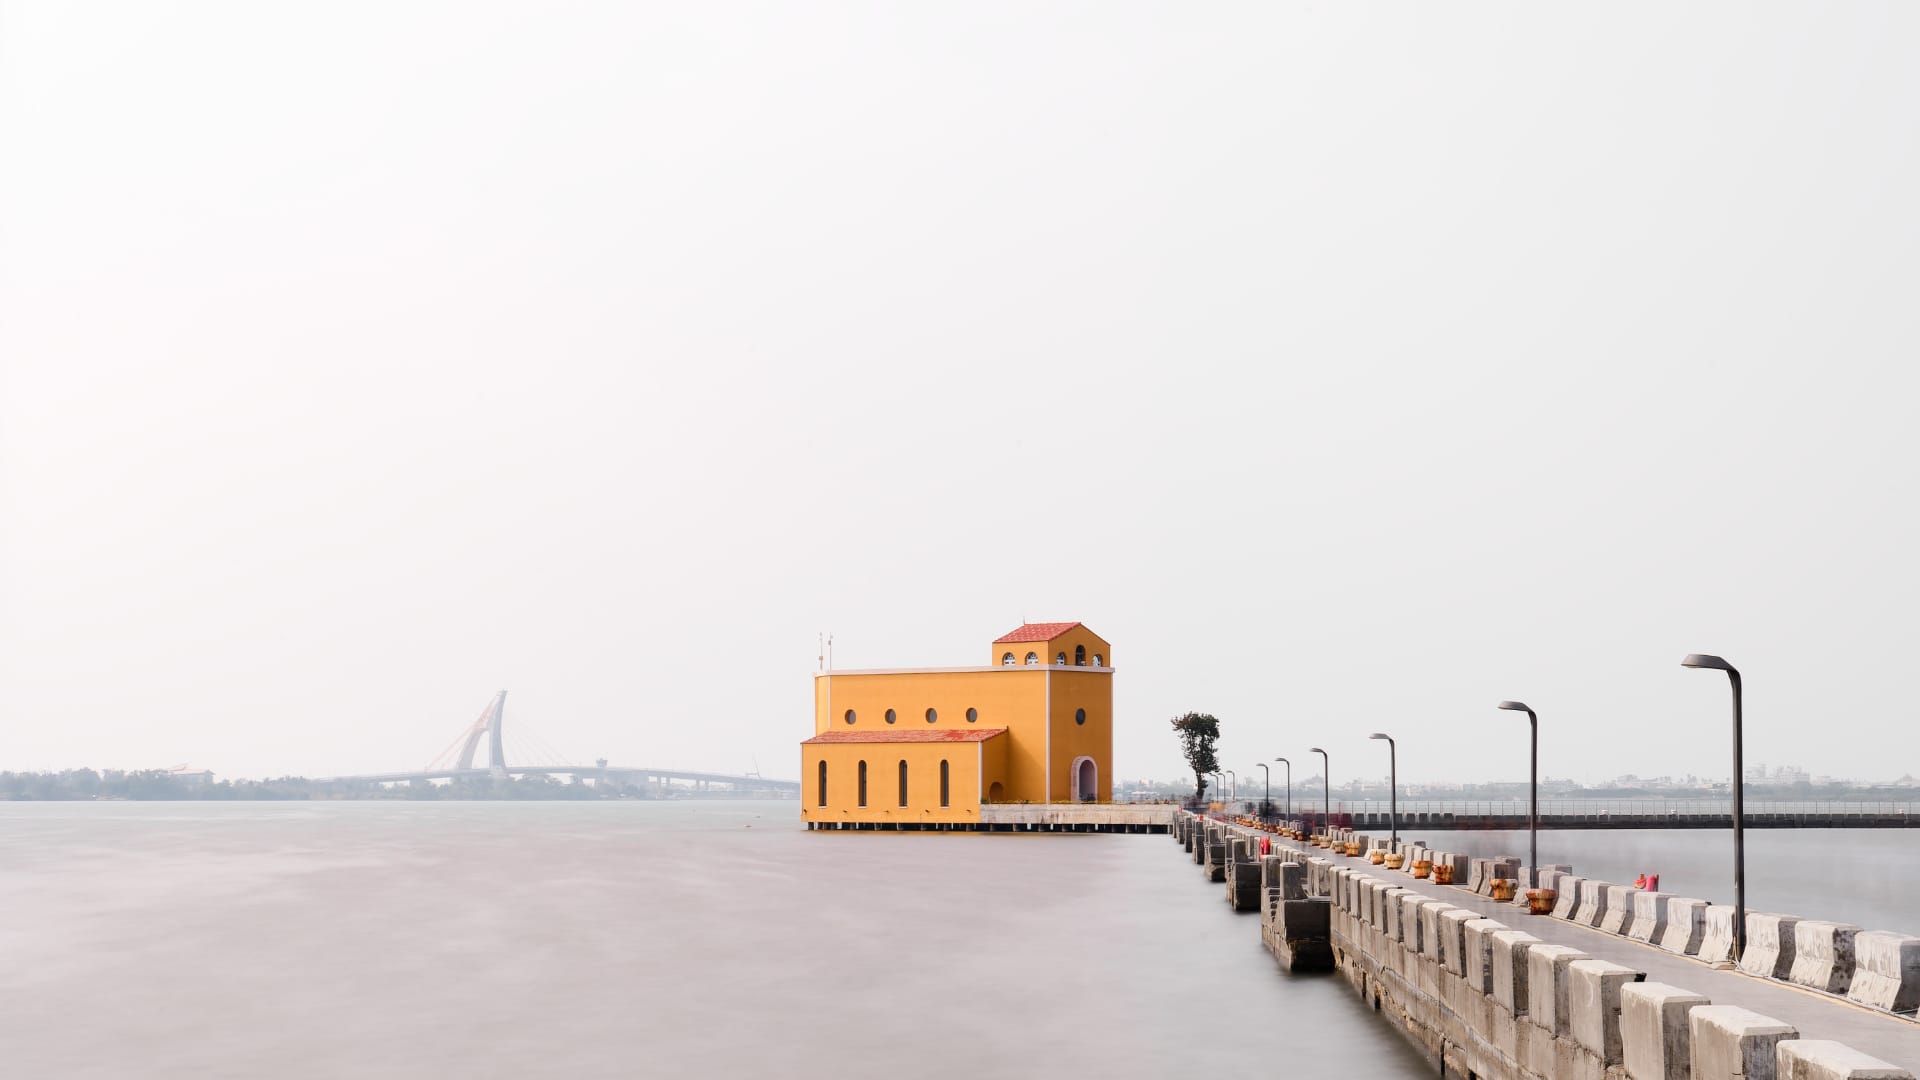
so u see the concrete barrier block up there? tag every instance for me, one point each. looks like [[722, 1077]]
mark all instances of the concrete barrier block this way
[[1686, 926], [1506, 866], [1301, 940], [1411, 935], [1477, 874], [1655, 1035], [1452, 924], [1731, 1042], [1649, 916], [1430, 933], [1547, 986], [1477, 962], [1886, 971], [1619, 917], [1509, 963], [1288, 877], [1593, 902], [1823, 1059], [1392, 907], [1593, 998], [1823, 955], [1769, 952], [1568, 901], [1716, 944]]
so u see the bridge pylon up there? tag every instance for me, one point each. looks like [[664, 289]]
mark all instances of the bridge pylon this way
[[487, 724]]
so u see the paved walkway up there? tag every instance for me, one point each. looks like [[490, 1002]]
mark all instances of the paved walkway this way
[[1816, 1015]]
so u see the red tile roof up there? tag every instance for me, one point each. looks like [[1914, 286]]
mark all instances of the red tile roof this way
[[1037, 631], [922, 735]]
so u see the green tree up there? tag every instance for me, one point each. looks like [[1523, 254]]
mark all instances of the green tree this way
[[1198, 732]]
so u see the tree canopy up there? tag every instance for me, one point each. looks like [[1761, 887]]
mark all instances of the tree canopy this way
[[1198, 732]]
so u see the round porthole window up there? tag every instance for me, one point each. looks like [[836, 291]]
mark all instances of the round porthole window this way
[[973, 715], [849, 716], [1079, 716], [932, 716], [890, 717]]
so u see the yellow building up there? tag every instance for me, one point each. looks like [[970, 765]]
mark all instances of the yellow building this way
[[928, 746]]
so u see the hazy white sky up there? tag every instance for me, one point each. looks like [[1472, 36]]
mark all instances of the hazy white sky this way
[[1349, 367]]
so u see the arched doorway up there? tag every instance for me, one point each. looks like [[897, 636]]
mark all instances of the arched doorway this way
[[1086, 780], [996, 793]]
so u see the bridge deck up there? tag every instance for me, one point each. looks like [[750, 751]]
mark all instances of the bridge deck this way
[[745, 783]]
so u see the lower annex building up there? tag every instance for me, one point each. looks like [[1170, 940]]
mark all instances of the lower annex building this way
[[931, 745]]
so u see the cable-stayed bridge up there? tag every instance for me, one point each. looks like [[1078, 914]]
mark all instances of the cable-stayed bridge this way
[[533, 757]]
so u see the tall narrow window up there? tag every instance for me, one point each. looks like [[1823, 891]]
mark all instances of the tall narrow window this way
[[1079, 656], [1060, 659], [1099, 661], [943, 784], [903, 783], [863, 783], [823, 781]]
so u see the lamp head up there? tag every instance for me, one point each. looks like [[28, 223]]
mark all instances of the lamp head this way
[[1315, 750], [1704, 660], [1283, 759], [1381, 735], [1515, 706]]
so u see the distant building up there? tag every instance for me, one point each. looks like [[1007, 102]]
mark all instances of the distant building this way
[[931, 745], [191, 776]]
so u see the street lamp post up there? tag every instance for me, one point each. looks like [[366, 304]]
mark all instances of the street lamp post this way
[[1533, 794], [1715, 663], [1289, 766], [1234, 789], [1393, 785], [1326, 785], [1266, 782]]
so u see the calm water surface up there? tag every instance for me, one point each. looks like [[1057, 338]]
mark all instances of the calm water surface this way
[[627, 939]]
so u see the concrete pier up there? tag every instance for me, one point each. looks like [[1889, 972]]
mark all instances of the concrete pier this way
[[1606, 991]]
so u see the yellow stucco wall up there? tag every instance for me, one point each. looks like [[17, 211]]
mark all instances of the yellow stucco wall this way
[[1011, 698], [883, 781], [1035, 705], [993, 770], [1073, 690]]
